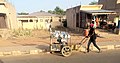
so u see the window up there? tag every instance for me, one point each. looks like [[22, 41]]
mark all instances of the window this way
[[36, 21], [31, 20], [46, 20], [24, 20]]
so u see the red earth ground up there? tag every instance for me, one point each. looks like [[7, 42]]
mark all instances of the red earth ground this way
[[41, 37]]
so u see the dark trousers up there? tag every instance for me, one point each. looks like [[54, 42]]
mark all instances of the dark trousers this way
[[94, 43]]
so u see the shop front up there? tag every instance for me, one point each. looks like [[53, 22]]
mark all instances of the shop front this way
[[100, 18]]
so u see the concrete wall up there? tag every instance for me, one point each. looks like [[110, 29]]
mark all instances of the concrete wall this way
[[10, 12], [108, 4], [2, 0], [12, 17], [27, 25], [39, 22], [55, 22], [71, 14], [111, 5]]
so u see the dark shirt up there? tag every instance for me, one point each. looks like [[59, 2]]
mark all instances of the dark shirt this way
[[92, 35]]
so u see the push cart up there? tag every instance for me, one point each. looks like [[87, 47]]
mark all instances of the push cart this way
[[59, 43]]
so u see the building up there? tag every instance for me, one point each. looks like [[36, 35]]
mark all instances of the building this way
[[38, 20], [7, 15], [81, 16], [112, 5]]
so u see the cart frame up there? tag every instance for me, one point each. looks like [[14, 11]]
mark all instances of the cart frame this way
[[63, 48]]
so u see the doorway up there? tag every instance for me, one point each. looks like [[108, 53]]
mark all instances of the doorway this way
[[2, 21]]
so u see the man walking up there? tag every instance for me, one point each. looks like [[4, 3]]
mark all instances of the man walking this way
[[92, 39]]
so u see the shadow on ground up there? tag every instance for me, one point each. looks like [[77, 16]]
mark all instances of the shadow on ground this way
[[45, 37], [1, 61], [43, 47]]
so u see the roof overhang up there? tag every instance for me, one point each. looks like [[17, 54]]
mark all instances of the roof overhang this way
[[90, 7], [26, 16], [98, 12]]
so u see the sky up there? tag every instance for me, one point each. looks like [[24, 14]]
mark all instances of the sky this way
[[45, 5]]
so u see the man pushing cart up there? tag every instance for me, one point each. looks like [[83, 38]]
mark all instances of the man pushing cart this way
[[62, 39]]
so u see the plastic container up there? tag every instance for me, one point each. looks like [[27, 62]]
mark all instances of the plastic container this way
[[85, 32]]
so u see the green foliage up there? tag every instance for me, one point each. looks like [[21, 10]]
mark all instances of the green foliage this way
[[93, 3], [50, 11], [42, 11], [18, 33], [57, 10]]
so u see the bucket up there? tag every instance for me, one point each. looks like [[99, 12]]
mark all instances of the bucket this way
[[86, 32]]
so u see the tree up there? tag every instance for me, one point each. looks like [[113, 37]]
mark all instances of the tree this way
[[93, 3], [42, 11], [50, 11], [57, 10]]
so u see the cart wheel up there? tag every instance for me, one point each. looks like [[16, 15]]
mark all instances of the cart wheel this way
[[66, 51]]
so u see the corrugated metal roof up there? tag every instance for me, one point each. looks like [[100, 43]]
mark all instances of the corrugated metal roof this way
[[42, 14], [37, 14], [99, 11], [25, 16]]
